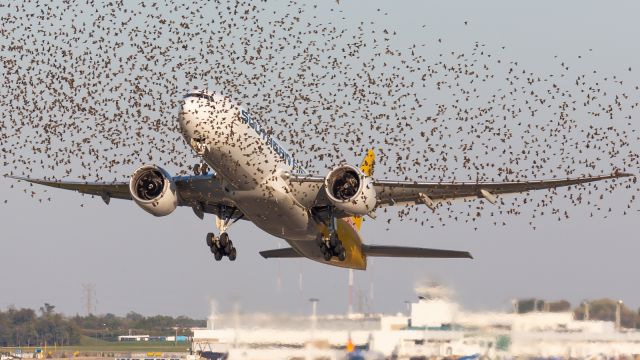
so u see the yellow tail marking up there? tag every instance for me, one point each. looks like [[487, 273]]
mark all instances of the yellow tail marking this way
[[367, 168]]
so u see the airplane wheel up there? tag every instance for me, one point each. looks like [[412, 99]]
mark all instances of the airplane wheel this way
[[213, 250], [338, 248], [232, 254], [333, 240], [324, 249], [204, 169], [196, 169], [210, 238], [342, 255], [319, 240], [217, 255], [327, 255], [224, 240], [229, 248]]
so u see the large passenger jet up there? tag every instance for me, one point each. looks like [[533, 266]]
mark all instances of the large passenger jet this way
[[256, 179]]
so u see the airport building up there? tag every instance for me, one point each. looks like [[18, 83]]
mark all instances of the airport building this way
[[435, 327]]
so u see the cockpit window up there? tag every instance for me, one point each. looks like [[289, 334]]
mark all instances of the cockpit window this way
[[199, 96]]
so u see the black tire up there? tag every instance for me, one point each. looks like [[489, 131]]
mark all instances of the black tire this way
[[319, 240], [210, 239], [327, 256], [196, 169], [213, 250], [204, 169], [228, 248], [224, 240], [342, 255], [333, 240], [233, 254], [324, 249], [217, 255]]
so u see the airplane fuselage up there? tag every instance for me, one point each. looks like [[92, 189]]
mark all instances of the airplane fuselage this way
[[254, 167]]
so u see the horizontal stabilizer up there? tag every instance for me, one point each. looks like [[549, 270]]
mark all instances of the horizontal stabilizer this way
[[412, 252], [280, 253]]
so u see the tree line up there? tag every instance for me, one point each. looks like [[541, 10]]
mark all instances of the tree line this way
[[600, 309], [28, 327]]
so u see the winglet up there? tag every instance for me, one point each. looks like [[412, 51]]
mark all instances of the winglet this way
[[618, 173]]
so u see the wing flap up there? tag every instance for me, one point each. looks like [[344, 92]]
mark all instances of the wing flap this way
[[280, 253], [413, 252]]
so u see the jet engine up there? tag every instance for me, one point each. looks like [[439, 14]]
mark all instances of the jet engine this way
[[153, 189], [350, 190]]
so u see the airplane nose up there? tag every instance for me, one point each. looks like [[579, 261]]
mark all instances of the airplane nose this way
[[187, 116]]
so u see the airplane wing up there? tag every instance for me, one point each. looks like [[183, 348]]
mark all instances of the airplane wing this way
[[116, 190], [430, 193], [202, 192], [310, 189]]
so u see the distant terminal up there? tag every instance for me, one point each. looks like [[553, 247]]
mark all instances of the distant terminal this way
[[134, 338]]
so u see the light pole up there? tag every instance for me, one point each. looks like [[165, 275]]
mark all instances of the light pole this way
[[586, 309], [618, 311], [314, 317], [175, 338]]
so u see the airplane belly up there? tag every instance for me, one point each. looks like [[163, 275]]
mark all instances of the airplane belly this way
[[276, 213]]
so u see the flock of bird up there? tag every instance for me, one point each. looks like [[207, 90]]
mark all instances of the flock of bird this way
[[92, 92]]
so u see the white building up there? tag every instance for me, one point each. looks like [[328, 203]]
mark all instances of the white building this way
[[437, 326]]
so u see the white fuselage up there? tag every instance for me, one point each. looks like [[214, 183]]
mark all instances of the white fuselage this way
[[251, 164]]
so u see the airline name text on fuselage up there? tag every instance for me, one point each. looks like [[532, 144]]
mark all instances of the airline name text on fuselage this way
[[260, 130]]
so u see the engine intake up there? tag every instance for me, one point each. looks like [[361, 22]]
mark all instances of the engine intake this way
[[350, 190], [153, 189]]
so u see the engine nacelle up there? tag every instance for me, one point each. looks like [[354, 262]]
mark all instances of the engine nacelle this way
[[350, 190], [153, 189]]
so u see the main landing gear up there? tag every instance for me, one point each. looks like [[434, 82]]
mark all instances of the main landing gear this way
[[332, 246], [222, 246]]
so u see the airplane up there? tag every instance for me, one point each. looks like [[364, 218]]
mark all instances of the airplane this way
[[256, 179]]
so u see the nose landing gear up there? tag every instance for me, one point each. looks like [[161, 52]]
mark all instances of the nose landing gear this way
[[200, 169]]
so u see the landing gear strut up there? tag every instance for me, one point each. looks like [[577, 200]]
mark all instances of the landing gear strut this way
[[332, 246], [223, 246]]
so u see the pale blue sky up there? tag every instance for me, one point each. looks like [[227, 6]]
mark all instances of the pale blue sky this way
[[161, 265]]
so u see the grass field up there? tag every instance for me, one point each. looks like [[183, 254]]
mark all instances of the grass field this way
[[92, 345]]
